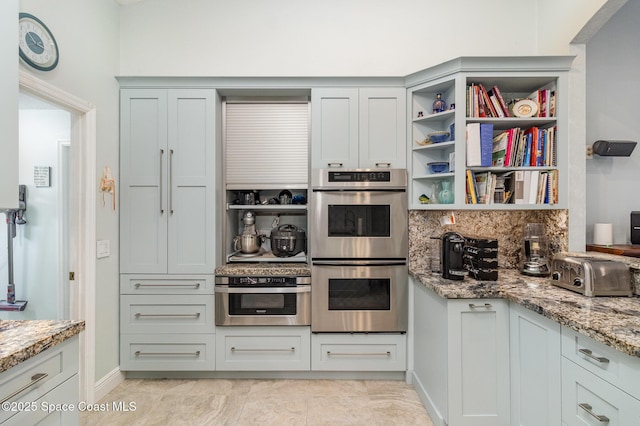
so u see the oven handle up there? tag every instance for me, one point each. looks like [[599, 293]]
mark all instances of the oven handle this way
[[359, 262], [262, 290]]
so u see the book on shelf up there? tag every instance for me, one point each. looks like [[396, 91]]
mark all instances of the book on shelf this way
[[518, 189], [474, 155], [486, 144], [499, 151], [471, 188], [503, 104], [490, 104]]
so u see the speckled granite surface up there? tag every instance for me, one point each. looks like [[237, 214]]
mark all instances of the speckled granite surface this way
[[21, 340], [614, 321], [506, 226], [263, 269]]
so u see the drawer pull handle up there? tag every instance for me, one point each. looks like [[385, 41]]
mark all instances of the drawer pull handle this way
[[586, 407], [387, 165], [589, 354], [334, 164], [234, 349], [387, 354], [140, 353], [34, 379], [138, 285], [161, 206], [474, 306], [196, 315]]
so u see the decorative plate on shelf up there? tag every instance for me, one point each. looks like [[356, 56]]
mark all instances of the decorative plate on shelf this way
[[524, 108]]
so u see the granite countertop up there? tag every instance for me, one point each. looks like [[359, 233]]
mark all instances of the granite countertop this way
[[264, 269], [21, 340], [614, 321]]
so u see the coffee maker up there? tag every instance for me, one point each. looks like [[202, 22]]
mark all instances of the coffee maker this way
[[452, 256], [535, 251]]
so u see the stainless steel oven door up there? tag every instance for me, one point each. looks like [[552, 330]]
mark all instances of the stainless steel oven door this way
[[263, 305], [358, 297], [359, 224]]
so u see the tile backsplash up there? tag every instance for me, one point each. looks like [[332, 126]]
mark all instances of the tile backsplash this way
[[505, 226]]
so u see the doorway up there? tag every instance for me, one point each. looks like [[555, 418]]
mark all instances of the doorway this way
[[83, 163]]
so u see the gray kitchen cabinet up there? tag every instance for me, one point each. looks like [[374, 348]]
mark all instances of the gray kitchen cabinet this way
[[358, 352], [535, 368], [49, 378], [358, 127], [600, 385], [166, 322], [461, 362], [263, 348], [9, 106], [167, 212]]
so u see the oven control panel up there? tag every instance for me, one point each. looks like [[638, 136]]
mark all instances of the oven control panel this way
[[266, 281], [365, 176]]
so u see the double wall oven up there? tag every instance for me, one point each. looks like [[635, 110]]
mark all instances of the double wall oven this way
[[359, 248]]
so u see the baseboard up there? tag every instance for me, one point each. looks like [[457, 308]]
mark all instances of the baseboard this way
[[108, 383], [427, 402]]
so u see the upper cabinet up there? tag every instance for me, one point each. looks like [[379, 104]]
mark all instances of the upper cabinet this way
[[358, 127], [504, 143], [167, 157]]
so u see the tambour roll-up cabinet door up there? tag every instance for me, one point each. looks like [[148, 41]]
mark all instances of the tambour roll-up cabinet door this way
[[266, 143]]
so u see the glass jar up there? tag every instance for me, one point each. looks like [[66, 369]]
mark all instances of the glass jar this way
[[446, 195], [439, 104]]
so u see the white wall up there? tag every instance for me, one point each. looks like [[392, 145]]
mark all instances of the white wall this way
[[87, 35], [35, 247], [613, 90], [336, 37]]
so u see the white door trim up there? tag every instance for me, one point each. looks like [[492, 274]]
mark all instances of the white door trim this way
[[83, 131]]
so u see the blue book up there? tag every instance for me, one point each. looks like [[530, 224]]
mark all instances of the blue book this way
[[486, 144]]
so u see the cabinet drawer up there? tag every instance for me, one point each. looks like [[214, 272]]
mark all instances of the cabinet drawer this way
[[36, 376], [263, 348], [166, 284], [167, 352], [66, 393], [358, 352], [615, 367], [586, 396], [166, 314]]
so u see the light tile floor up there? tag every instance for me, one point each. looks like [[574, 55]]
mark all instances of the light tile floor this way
[[261, 402]]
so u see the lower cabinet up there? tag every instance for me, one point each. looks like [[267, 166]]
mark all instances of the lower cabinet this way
[[358, 352], [600, 385], [167, 323], [535, 368], [263, 348], [31, 388], [590, 400], [461, 362]]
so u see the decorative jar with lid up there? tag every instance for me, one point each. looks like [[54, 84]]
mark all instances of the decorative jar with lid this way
[[439, 104]]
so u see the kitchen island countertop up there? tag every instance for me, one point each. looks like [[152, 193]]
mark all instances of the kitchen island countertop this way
[[24, 339], [264, 269], [614, 321]]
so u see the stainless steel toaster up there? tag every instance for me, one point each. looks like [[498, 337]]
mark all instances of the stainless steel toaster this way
[[591, 276]]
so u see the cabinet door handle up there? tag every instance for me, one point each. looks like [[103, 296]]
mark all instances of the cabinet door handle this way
[[138, 285], [388, 354], [196, 315], [474, 306], [387, 165], [140, 353], [161, 206], [588, 353], [34, 379], [234, 349], [334, 164], [171, 181], [588, 408]]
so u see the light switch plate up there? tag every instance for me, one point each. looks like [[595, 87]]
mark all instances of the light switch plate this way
[[103, 248]]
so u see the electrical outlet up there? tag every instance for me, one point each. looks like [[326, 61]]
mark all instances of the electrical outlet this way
[[589, 152]]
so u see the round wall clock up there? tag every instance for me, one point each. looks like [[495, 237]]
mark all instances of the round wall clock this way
[[38, 47]]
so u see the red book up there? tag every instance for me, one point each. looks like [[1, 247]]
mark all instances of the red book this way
[[503, 105]]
